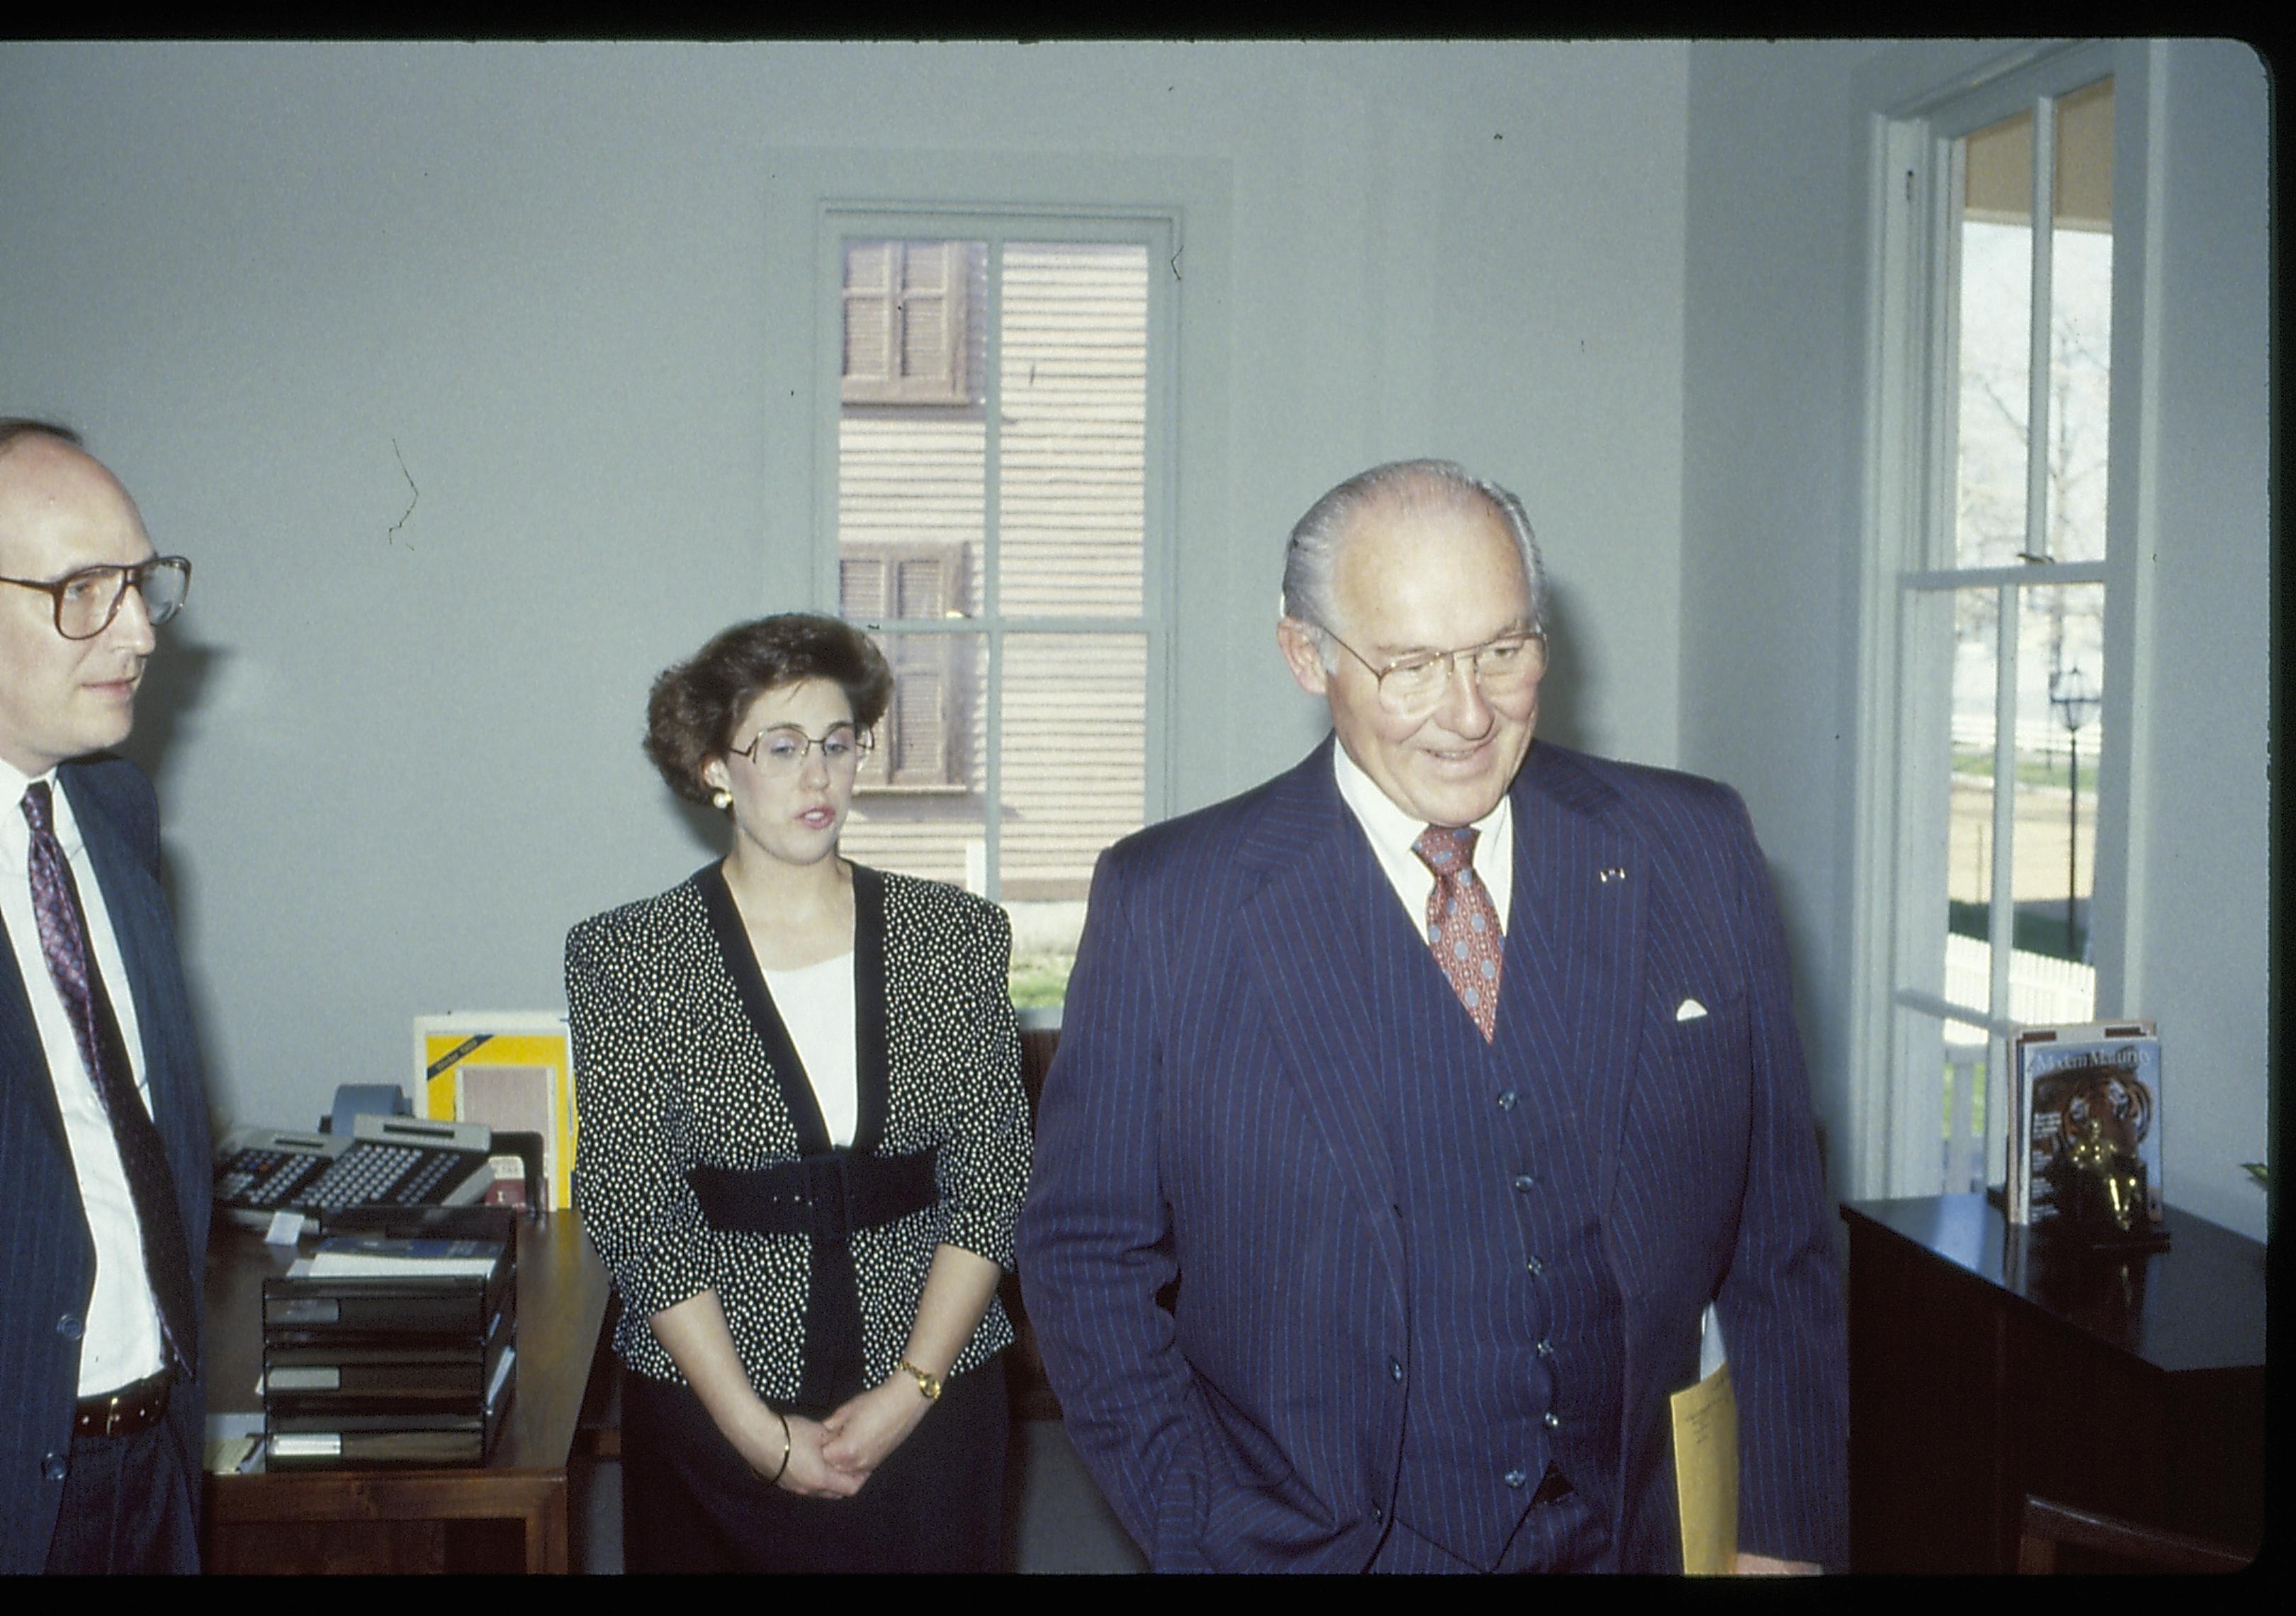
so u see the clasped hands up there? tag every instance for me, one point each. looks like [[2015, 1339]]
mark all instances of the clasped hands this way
[[834, 1457]]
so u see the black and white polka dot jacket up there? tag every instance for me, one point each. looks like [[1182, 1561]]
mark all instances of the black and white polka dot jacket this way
[[681, 1060]]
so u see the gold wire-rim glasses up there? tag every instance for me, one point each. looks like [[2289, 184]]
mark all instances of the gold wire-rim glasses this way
[[860, 740], [1501, 665]]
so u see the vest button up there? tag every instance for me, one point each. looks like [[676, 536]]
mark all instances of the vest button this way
[[1546, 1349], [1507, 1100], [53, 1466], [1551, 1420], [1524, 1182], [70, 1327], [1395, 1368], [1536, 1267], [1516, 1477], [1377, 1514]]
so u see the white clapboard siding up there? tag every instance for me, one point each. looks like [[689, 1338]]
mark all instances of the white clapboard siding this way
[[1074, 778], [1073, 459]]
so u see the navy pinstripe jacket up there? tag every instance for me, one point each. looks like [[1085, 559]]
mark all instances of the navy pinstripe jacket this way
[[1214, 1112], [47, 1259]]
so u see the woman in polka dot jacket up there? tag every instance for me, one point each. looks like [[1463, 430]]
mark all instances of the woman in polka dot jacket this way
[[804, 1144]]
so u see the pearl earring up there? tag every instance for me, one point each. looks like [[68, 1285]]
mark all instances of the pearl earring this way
[[721, 799]]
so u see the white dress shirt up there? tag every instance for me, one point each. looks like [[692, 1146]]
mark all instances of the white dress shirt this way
[[1392, 831], [816, 1005], [122, 1342]]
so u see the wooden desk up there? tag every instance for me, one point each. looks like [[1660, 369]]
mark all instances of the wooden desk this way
[[1983, 1367], [507, 1515]]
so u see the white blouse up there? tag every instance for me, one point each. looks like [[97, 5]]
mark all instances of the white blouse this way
[[816, 1005]]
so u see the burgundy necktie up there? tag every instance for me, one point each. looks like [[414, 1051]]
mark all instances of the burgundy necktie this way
[[1463, 923], [151, 1186]]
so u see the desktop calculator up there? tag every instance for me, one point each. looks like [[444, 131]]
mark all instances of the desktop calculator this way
[[402, 1161]]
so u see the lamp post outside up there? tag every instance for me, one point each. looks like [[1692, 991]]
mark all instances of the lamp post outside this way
[[2077, 700]]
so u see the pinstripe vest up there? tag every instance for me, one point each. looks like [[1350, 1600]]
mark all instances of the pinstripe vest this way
[[1515, 1313]]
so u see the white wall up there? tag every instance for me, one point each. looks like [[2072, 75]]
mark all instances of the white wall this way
[[397, 747], [1770, 492], [1772, 468], [2201, 865]]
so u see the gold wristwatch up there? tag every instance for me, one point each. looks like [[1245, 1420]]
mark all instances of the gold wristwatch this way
[[928, 1385]]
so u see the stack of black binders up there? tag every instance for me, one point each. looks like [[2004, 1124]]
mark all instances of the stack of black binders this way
[[396, 1344]]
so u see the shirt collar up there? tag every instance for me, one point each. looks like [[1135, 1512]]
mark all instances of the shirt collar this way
[[1392, 829], [16, 831]]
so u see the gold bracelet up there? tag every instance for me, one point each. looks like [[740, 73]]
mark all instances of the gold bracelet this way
[[928, 1385]]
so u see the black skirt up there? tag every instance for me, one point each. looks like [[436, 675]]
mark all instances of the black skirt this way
[[937, 1504]]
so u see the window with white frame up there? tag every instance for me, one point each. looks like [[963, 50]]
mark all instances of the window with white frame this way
[[2001, 733], [998, 528]]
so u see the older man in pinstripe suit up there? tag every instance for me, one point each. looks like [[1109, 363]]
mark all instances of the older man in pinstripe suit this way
[[1452, 1077], [104, 1123]]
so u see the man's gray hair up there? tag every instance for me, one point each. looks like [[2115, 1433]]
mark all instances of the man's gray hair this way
[[1402, 486]]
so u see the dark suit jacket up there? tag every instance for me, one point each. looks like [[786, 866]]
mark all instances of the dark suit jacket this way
[[1213, 1111], [47, 1258]]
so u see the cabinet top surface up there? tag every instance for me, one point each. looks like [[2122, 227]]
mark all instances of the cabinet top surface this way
[[2198, 1305]]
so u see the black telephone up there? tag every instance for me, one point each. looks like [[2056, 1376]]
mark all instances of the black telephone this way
[[401, 1162]]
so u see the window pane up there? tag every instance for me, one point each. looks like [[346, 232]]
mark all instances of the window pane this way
[[1993, 343], [2080, 324], [919, 809], [913, 332], [2060, 715], [1950, 1083], [1073, 490], [1969, 852], [911, 444], [1074, 779], [1074, 736], [2051, 840]]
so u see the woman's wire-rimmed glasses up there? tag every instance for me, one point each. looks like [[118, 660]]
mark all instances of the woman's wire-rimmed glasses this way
[[1415, 685], [782, 749], [87, 599]]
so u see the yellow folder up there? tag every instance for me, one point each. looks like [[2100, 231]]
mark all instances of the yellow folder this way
[[1706, 1473]]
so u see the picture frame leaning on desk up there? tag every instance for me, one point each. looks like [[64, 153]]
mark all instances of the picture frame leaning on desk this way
[[2084, 1160]]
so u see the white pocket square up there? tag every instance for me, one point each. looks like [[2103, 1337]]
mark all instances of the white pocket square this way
[[1689, 1010]]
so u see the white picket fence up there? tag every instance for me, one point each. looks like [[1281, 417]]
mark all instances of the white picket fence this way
[[2042, 990]]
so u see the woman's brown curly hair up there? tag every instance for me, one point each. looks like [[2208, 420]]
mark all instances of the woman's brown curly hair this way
[[690, 714]]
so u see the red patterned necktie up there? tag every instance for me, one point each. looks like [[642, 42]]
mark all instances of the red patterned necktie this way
[[151, 1186], [1463, 923]]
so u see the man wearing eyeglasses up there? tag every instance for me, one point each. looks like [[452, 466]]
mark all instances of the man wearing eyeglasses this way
[[1452, 1078], [103, 1124]]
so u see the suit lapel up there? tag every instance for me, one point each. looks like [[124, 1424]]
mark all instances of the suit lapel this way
[[22, 1055], [129, 897], [137, 908], [1305, 935], [1575, 941]]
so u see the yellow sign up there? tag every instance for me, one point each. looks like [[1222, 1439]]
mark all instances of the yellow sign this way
[[514, 1071]]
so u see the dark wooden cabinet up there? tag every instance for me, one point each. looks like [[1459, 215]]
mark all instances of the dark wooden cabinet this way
[[1985, 1365]]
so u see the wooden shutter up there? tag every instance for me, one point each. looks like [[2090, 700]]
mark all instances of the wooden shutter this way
[[861, 589], [906, 315], [922, 740]]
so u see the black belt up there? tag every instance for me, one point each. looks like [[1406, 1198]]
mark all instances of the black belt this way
[[826, 1197], [123, 1413]]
